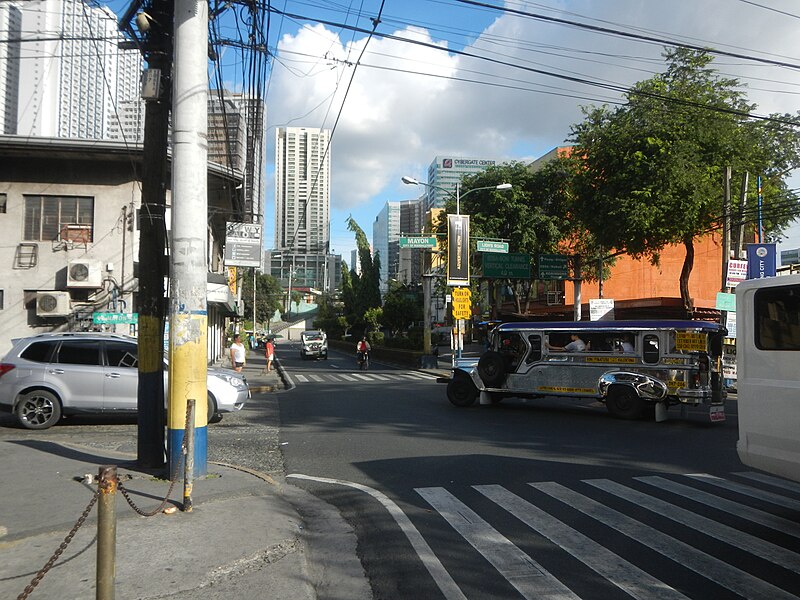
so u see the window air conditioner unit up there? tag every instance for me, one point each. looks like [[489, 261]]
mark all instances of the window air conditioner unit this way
[[52, 304], [84, 273]]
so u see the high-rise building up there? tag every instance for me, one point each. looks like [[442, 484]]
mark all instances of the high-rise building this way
[[10, 32], [445, 172], [396, 219], [73, 74], [127, 123], [302, 189]]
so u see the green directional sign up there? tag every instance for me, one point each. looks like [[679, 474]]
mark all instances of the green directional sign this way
[[488, 246], [553, 266], [110, 318], [506, 266], [418, 242]]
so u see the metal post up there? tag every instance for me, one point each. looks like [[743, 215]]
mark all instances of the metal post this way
[[189, 252], [188, 463], [426, 295], [106, 532], [577, 279], [254, 302]]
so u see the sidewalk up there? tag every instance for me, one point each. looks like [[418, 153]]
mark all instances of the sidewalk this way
[[244, 538]]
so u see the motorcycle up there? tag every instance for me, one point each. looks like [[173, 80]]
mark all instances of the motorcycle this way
[[363, 360]]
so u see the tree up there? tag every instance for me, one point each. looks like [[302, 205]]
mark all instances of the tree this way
[[650, 173], [364, 292], [401, 309], [269, 297]]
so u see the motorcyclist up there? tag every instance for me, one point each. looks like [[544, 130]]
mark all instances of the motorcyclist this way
[[362, 350]]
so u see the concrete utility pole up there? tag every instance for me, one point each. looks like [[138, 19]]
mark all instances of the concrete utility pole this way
[[189, 260], [726, 237], [152, 241]]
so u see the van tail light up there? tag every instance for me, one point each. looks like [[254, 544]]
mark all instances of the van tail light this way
[[5, 368]]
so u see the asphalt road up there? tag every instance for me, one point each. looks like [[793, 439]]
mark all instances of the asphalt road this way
[[530, 499]]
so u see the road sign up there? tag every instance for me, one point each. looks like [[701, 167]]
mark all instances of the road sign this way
[[462, 293], [506, 266], [243, 245], [461, 310], [109, 318], [418, 242], [553, 266], [487, 246]]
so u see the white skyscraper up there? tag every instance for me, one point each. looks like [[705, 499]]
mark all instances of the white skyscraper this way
[[443, 174], [73, 75], [10, 30], [302, 190], [396, 219]]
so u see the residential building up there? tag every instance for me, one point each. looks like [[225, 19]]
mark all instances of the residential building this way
[[446, 172], [73, 74], [10, 33], [71, 239], [397, 219], [302, 203]]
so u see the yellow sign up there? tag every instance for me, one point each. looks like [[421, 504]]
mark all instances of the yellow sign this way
[[574, 390], [674, 384], [461, 293], [691, 342]]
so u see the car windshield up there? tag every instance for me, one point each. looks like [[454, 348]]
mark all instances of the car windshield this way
[[313, 337]]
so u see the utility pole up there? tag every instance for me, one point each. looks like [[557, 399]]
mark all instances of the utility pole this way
[[189, 253], [726, 237], [152, 239]]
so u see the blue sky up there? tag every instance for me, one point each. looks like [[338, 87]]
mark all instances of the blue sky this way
[[408, 103]]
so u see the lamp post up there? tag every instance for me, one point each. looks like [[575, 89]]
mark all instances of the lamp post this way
[[427, 308]]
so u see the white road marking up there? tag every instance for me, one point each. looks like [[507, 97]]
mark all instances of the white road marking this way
[[363, 377], [624, 575], [746, 490], [347, 377], [733, 508], [302, 378], [709, 567], [448, 587], [525, 574], [785, 484], [316, 378], [729, 535]]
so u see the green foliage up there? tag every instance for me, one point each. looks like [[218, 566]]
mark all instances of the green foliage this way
[[401, 308], [373, 317], [361, 293], [650, 173], [375, 338], [269, 297]]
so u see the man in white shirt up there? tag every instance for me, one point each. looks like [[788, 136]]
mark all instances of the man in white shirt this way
[[576, 345]]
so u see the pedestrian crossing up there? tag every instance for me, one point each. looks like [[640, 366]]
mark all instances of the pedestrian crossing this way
[[662, 537], [361, 377]]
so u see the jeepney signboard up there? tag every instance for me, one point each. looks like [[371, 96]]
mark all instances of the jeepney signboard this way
[[691, 342]]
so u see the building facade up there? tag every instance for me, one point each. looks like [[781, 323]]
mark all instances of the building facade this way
[[397, 219], [10, 33], [73, 73], [445, 172]]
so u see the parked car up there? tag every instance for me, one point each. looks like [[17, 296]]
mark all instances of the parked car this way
[[47, 376], [313, 344]]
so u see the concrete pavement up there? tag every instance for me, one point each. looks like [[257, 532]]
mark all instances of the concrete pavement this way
[[245, 537]]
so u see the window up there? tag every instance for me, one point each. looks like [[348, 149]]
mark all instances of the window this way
[[79, 353], [3, 203], [535, 354], [650, 351], [38, 352], [122, 354], [777, 318], [46, 215]]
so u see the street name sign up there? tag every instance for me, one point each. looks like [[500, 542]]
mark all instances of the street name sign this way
[[506, 266], [110, 318], [418, 242], [489, 246], [553, 266]]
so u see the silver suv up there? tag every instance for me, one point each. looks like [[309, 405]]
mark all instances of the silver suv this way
[[49, 375]]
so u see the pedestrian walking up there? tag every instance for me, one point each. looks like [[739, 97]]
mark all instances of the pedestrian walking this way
[[269, 354], [237, 353]]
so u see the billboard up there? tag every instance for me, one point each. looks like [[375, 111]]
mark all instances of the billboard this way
[[761, 261], [243, 245], [458, 250]]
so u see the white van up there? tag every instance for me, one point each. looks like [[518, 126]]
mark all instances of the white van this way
[[768, 374]]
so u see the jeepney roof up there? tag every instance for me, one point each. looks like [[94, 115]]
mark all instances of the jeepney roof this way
[[707, 326]]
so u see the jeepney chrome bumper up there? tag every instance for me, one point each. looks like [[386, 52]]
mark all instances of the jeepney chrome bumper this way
[[702, 395], [646, 387]]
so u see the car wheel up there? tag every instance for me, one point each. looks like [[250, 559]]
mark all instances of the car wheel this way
[[38, 409], [461, 391], [213, 415], [624, 403], [491, 368]]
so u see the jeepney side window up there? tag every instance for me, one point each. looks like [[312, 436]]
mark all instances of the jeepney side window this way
[[535, 354], [512, 348], [650, 353]]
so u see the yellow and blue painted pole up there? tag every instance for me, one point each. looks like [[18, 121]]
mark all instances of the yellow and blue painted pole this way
[[189, 248]]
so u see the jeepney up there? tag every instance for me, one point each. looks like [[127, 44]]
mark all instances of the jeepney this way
[[628, 365]]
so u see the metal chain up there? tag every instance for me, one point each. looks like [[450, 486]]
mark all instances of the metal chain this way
[[60, 550], [173, 479]]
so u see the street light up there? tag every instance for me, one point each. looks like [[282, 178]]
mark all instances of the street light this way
[[426, 277]]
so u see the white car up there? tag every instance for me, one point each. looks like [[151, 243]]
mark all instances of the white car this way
[[50, 375]]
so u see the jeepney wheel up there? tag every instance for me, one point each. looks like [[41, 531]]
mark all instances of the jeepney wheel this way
[[624, 403], [461, 391], [491, 368]]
